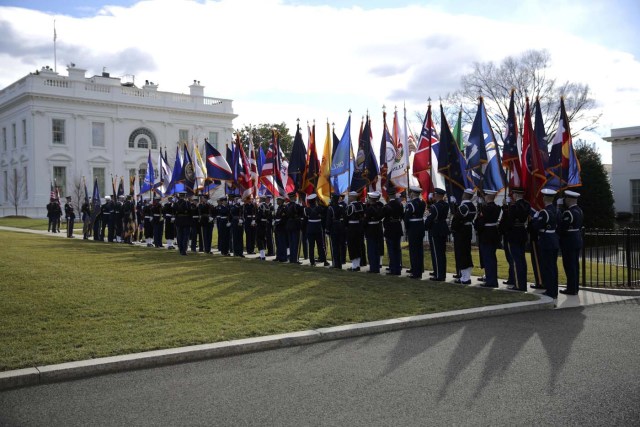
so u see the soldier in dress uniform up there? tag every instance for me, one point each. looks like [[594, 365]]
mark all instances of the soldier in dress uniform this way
[[514, 224], [461, 225], [85, 210], [304, 243], [264, 218], [294, 217], [139, 234], [108, 217], [182, 211], [237, 227], [280, 230], [502, 229], [392, 213], [268, 213], [223, 220], [413, 214], [436, 225], [52, 207], [69, 216], [206, 223], [148, 222], [372, 221], [195, 234], [486, 224], [158, 221], [355, 230], [168, 212], [570, 227], [344, 205], [118, 218], [314, 214], [250, 224], [128, 218], [545, 222], [335, 228]]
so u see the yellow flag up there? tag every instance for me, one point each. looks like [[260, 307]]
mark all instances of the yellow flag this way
[[324, 180]]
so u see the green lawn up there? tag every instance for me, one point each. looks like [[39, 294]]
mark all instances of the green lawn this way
[[29, 223], [63, 300]]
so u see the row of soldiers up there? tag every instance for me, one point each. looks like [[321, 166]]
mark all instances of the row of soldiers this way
[[360, 230]]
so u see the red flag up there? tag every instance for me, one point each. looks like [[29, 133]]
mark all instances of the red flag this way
[[422, 158], [533, 173], [313, 164]]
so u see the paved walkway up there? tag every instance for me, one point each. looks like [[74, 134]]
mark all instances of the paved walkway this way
[[73, 370]]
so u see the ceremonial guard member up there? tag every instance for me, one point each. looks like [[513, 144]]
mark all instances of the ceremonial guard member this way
[[414, 212], [182, 211], [280, 229], [336, 230], [489, 239], [195, 235], [514, 224], [85, 210], [128, 218], [294, 216], [392, 214], [250, 224], [545, 222], [570, 227], [168, 211], [223, 220], [69, 216], [502, 229], [97, 221], [53, 213], [206, 223], [343, 252], [118, 218], [461, 225], [373, 230], [355, 230], [237, 227], [158, 221], [264, 221], [108, 219], [436, 225], [314, 214], [148, 222]]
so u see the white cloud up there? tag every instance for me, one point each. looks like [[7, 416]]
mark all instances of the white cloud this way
[[280, 62]]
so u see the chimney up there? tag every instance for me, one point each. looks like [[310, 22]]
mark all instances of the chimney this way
[[196, 89], [75, 73]]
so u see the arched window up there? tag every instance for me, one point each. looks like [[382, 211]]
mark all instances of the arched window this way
[[140, 138]]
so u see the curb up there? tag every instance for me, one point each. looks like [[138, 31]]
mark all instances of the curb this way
[[151, 359]]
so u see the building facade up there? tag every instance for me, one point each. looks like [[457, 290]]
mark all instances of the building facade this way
[[73, 129], [625, 169]]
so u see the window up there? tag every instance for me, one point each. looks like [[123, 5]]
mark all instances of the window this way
[[140, 138], [57, 131], [213, 139], [97, 134], [6, 186], [25, 182], [635, 199], [4, 140], [15, 137], [183, 135], [142, 172], [60, 179], [24, 131], [98, 174], [143, 142]]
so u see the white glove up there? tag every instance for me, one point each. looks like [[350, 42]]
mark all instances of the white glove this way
[[508, 199], [228, 224], [173, 220], [210, 220], [452, 199], [253, 223], [240, 222], [560, 202]]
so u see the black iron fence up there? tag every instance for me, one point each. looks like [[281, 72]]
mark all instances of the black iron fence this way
[[611, 258]]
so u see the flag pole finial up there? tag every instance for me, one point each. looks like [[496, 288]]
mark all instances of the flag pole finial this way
[[384, 108], [349, 111]]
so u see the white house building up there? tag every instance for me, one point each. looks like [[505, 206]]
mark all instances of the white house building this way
[[62, 129], [625, 169]]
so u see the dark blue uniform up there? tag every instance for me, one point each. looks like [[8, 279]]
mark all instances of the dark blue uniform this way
[[183, 224], [570, 228], [489, 239], [293, 227], [545, 222], [158, 223], [264, 228], [250, 225], [373, 234], [462, 228], [108, 220], [335, 227], [168, 211], [223, 220], [280, 229], [237, 229], [436, 225], [392, 214], [514, 226], [413, 216], [314, 215], [206, 225], [355, 232], [70, 216]]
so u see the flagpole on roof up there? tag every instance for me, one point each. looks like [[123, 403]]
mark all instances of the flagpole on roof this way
[[55, 54]]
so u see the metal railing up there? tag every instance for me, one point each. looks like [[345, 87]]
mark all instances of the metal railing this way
[[611, 258]]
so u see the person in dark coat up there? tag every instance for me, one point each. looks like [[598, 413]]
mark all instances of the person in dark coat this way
[[148, 222], [570, 227], [355, 230], [545, 222], [206, 223], [69, 216], [85, 211], [118, 218], [294, 217], [52, 207], [334, 222], [168, 211], [237, 227], [280, 230], [250, 224], [264, 220], [372, 221], [413, 215], [436, 225], [489, 239], [128, 219], [314, 214], [223, 221], [108, 219], [392, 213], [182, 211], [462, 228], [158, 222], [514, 224]]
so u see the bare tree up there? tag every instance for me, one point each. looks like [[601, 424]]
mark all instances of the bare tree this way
[[529, 75], [16, 189], [77, 194]]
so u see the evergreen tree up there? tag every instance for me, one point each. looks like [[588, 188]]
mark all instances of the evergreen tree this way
[[596, 197], [262, 136]]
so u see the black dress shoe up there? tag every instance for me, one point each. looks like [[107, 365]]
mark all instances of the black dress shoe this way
[[457, 280], [414, 276], [353, 269], [456, 276], [549, 295], [465, 282], [535, 286], [482, 279], [485, 285], [326, 264], [507, 282], [437, 279], [295, 262], [568, 292]]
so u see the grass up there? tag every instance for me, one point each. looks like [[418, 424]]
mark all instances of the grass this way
[[64, 300], [28, 223]]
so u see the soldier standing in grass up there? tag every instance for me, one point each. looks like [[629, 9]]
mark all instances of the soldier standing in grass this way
[[413, 214], [85, 210], [489, 238], [462, 227], [70, 216], [224, 226], [392, 213], [183, 223]]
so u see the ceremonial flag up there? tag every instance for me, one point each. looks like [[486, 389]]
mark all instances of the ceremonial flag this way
[[533, 173], [570, 165], [176, 184], [217, 166], [310, 180], [188, 172], [457, 132], [324, 180], [270, 175], [199, 171], [231, 184], [298, 160], [149, 177], [422, 158], [387, 156], [165, 175], [86, 191], [511, 157], [240, 167], [132, 185], [366, 165], [261, 159], [96, 201], [120, 187], [399, 173], [451, 163], [253, 167], [553, 181], [340, 161]]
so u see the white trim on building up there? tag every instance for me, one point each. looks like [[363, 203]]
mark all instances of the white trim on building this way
[[625, 169]]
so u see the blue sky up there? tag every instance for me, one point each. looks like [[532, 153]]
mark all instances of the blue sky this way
[[285, 59]]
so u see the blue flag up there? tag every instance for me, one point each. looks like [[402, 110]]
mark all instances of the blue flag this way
[[149, 177], [217, 166], [340, 160], [177, 182], [451, 162], [96, 201], [298, 161], [483, 158], [366, 165]]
